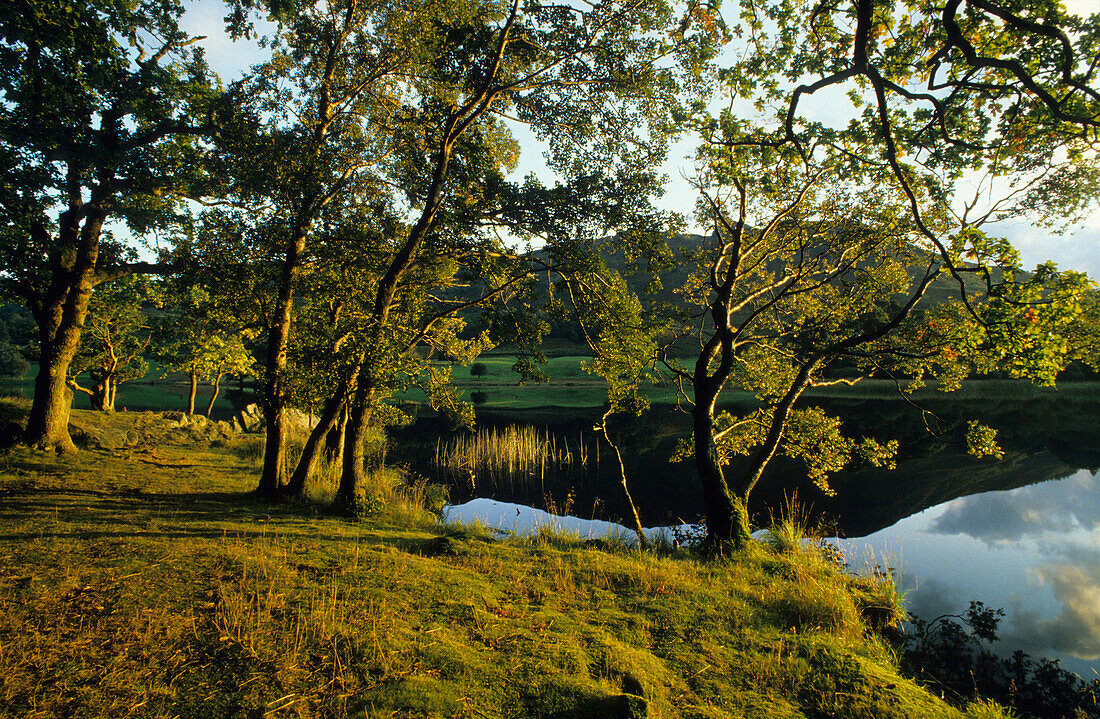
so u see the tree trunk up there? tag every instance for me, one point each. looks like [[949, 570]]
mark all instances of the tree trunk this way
[[112, 392], [214, 396], [101, 394], [194, 390], [334, 443], [48, 423], [353, 473], [274, 469], [60, 319], [311, 452], [727, 515], [273, 400]]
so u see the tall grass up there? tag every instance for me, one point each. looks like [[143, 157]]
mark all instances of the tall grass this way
[[250, 449], [513, 457]]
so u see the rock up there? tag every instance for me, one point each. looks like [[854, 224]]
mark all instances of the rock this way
[[78, 436], [134, 438], [225, 429], [103, 438], [176, 418], [250, 419]]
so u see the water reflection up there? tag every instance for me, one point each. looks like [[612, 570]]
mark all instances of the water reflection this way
[[1022, 534], [1076, 630], [1035, 551], [1043, 440], [1057, 507]]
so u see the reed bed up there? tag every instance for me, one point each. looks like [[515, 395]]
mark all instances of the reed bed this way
[[513, 457]]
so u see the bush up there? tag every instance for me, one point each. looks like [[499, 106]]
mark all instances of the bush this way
[[951, 654]]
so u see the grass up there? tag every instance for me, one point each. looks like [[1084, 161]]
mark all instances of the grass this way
[[147, 583], [569, 386], [154, 392], [507, 457]]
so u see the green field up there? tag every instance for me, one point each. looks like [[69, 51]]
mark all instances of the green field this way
[[568, 387], [153, 392]]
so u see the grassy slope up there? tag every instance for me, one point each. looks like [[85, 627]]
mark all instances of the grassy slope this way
[[146, 583]]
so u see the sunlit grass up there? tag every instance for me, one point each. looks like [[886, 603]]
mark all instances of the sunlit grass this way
[[149, 583]]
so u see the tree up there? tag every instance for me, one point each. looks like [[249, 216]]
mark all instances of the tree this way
[[1004, 94], [587, 80], [102, 102], [219, 355], [180, 332], [304, 139], [15, 327], [116, 336], [205, 311], [429, 120], [12, 361]]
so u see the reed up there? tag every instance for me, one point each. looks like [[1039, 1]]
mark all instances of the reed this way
[[509, 458]]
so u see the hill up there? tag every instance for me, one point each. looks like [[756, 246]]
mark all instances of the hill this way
[[567, 339]]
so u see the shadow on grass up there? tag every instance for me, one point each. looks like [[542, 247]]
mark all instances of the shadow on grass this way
[[87, 514]]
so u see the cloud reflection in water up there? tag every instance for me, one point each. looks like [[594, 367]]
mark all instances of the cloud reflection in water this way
[[1076, 631], [1035, 551], [1029, 512]]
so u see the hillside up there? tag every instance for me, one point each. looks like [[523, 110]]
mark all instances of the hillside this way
[[567, 339], [145, 582]]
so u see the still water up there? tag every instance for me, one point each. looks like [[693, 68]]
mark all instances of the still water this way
[[1033, 551], [1022, 534]]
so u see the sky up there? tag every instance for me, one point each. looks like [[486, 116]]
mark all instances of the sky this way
[[1078, 248]]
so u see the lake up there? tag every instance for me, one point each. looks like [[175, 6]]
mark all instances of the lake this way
[[1033, 551], [1022, 533]]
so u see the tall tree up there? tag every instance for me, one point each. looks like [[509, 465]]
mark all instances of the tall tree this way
[[435, 90], [585, 79], [102, 102], [1002, 91]]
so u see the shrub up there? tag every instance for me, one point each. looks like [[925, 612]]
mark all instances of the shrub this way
[[880, 603]]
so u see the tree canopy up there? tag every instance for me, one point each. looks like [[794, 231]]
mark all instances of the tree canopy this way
[[795, 281], [102, 105], [364, 220]]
